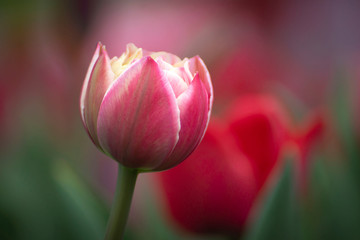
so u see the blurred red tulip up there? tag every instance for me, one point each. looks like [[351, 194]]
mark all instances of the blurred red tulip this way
[[260, 126], [214, 190]]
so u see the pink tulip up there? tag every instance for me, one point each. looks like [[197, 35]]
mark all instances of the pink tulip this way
[[147, 110]]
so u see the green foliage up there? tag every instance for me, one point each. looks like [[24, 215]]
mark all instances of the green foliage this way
[[43, 198], [279, 215]]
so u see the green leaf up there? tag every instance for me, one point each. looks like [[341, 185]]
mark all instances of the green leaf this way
[[43, 199], [278, 217], [83, 206], [342, 101], [335, 208]]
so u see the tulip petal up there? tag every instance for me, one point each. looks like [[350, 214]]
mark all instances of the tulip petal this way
[[167, 57], [196, 65], [184, 73], [193, 104], [132, 53], [177, 83], [86, 81], [139, 120], [98, 82]]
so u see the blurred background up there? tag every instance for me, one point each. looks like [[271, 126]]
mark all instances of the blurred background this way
[[281, 158]]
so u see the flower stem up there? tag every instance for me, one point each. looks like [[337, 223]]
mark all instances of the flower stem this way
[[122, 201]]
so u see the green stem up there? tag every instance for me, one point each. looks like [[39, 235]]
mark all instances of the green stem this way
[[122, 201]]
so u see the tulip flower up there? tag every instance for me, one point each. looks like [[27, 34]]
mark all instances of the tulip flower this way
[[260, 126], [146, 110], [214, 191]]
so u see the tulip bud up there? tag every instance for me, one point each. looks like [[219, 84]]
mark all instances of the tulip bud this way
[[146, 110]]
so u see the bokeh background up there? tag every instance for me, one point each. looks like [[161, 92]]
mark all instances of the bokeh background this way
[[300, 59]]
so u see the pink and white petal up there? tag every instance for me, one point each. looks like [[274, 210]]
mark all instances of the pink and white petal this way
[[187, 70], [186, 75], [139, 119], [196, 65], [167, 57], [177, 83], [100, 79], [131, 49], [132, 53], [181, 63], [163, 65], [86, 81], [194, 105]]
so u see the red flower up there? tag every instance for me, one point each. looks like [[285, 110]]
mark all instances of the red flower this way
[[214, 190], [260, 127]]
